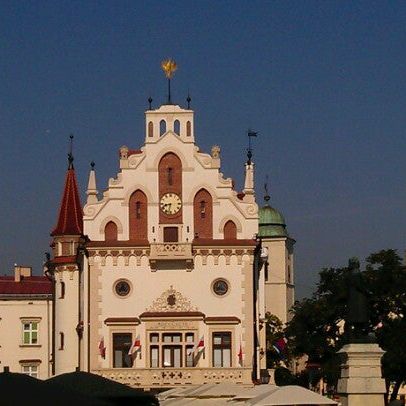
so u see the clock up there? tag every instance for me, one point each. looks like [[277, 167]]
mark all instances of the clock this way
[[170, 203]]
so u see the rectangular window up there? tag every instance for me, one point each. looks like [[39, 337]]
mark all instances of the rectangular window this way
[[172, 338], [190, 356], [170, 176], [171, 234], [171, 350], [154, 356], [121, 346], [222, 350], [138, 210], [30, 332], [172, 356], [202, 209], [62, 295], [31, 370]]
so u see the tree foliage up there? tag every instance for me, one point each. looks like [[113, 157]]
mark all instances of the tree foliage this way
[[317, 326]]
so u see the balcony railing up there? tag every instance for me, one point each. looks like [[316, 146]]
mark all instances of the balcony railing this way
[[171, 377]]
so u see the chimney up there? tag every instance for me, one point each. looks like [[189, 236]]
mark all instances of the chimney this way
[[21, 272]]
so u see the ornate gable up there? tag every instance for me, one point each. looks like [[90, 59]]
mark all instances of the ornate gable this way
[[171, 301]]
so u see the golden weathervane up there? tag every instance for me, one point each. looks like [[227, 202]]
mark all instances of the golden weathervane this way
[[169, 67]]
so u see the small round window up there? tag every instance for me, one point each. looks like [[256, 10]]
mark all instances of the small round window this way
[[122, 288], [220, 287]]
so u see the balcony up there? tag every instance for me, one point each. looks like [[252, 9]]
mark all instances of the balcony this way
[[171, 377], [171, 251]]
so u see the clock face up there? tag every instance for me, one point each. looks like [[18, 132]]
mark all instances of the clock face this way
[[170, 203]]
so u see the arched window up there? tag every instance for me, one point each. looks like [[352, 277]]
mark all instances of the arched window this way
[[230, 230], [203, 214], [188, 129], [110, 231], [176, 127], [150, 129], [61, 340], [138, 216], [162, 127]]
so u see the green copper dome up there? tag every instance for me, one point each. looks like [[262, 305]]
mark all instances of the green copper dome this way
[[271, 222]]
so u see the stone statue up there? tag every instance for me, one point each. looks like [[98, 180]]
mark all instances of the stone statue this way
[[357, 319], [215, 152]]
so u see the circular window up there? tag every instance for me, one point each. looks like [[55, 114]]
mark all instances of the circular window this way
[[122, 288], [220, 287]]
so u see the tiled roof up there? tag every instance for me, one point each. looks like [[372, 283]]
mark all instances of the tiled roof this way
[[134, 152], [224, 242], [70, 218], [31, 285], [64, 260]]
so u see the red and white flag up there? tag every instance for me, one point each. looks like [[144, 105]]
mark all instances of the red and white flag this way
[[191, 350], [135, 346], [102, 348], [240, 356], [200, 345]]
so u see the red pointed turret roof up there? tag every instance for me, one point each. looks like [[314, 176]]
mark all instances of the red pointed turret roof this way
[[70, 219]]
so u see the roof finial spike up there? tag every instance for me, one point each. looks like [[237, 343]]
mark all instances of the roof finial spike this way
[[188, 99], [150, 102], [266, 196], [70, 154], [169, 67], [92, 165], [250, 134]]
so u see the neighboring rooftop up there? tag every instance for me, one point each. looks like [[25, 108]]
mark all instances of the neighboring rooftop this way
[[24, 284]]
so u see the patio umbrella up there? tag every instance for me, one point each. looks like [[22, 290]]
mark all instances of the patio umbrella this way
[[290, 395], [103, 389], [20, 389]]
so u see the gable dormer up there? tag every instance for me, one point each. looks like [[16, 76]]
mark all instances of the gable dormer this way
[[169, 118]]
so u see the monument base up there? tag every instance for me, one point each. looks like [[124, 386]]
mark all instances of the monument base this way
[[361, 381]]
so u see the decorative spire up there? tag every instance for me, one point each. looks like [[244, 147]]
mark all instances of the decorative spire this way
[[266, 196], [169, 67], [150, 102], [70, 218], [91, 186], [250, 134], [70, 153], [188, 100]]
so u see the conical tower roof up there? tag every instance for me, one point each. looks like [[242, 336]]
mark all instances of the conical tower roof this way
[[70, 218]]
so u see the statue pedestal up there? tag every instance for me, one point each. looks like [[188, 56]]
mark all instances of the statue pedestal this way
[[361, 381]]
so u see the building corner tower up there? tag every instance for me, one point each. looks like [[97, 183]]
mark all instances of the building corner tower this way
[[278, 271], [66, 265]]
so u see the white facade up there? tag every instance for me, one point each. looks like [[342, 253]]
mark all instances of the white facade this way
[[156, 286]]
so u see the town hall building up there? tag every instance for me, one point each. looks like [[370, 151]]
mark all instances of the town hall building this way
[[165, 277]]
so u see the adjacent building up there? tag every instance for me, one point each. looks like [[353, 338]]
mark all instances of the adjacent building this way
[[25, 323]]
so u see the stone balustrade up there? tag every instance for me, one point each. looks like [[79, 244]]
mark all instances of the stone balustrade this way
[[171, 377], [170, 251]]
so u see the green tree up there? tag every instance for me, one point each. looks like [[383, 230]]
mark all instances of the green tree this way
[[317, 325]]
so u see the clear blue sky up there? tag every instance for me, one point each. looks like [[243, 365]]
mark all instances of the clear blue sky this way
[[323, 82]]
